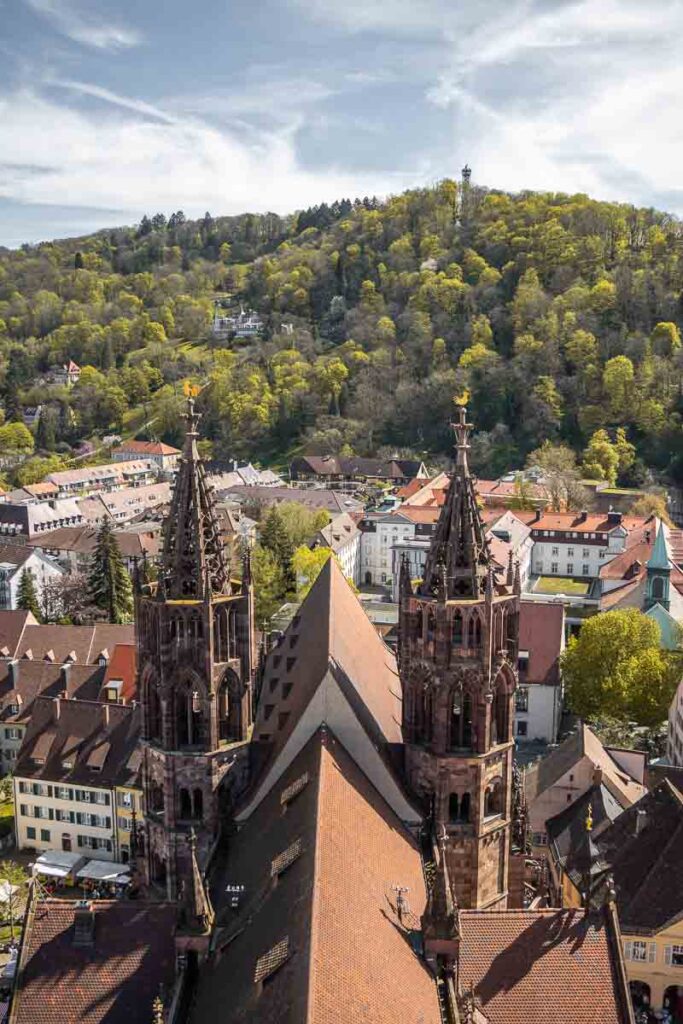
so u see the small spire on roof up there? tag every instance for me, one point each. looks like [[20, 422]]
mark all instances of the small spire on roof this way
[[509, 577]]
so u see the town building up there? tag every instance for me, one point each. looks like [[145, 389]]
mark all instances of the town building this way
[[223, 480], [636, 850], [30, 516], [110, 477], [126, 505], [75, 758], [538, 698], [15, 560], [343, 471], [674, 736], [66, 375], [264, 495], [342, 537], [164, 456], [72, 547], [70, 661], [568, 771], [236, 325]]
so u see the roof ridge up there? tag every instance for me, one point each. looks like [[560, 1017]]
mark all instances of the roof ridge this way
[[315, 897]]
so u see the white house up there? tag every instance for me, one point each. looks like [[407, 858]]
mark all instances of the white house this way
[[538, 698], [14, 559], [162, 455], [343, 538]]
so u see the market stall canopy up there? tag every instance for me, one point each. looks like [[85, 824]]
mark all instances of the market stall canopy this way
[[105, 871], [57, 863]]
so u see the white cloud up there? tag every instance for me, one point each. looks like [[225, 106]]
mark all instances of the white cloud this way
[[86, 27], [68, 157]]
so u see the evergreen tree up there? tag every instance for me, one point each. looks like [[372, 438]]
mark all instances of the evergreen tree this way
[[46, 431], [28, 595], [78, 261], [109, 581], [276, 538]]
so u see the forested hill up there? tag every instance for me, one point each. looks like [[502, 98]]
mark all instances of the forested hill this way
[[560, 315]]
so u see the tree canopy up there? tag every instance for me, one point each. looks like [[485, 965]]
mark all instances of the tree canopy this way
[[617, 669]]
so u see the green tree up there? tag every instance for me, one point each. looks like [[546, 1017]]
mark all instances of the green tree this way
[[617, 381], [651, 505], [307, 564], [16, 439], [601, 458], [269, 583], [275, 537], [46, 430], [13, 888], [36, 469], [109, 582], [560, 475], [27, 597], [665, 339], [616, 668]]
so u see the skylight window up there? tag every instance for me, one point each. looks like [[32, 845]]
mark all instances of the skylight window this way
[[293, 790], [272, 961], [286, 858]]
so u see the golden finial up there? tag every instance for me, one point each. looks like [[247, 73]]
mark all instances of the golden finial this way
[[462, 399], [589, 819], [157, 1011]]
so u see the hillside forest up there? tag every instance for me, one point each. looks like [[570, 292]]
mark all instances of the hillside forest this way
[[560, 317]]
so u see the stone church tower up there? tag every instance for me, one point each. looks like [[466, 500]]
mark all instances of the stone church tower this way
[[457, 659], [195, 671]]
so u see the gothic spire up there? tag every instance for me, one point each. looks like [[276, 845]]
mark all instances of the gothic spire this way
[[194, 564], [200, 910], [441, 917], [459, 550]]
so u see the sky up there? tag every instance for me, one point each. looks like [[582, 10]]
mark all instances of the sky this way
[[109, 110]]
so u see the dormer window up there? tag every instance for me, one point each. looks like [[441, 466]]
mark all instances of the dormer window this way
[[49, 655], [13, 709]]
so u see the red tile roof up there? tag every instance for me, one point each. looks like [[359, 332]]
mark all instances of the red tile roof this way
[[114, 981], [123, 667], [146, 448], [595, 522], [545, 966], [541, 633]]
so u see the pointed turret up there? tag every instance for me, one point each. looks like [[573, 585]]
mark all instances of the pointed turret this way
[[658, 589], [405, 585], [459, 541], [441, 917], [194, 564], [199, 910]]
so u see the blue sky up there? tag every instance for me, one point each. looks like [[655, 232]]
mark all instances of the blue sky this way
[[112, 110]]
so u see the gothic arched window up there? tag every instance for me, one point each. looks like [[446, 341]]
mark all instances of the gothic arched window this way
[[185, 809], [657, 588], [189, 715], [153, 710], [457, 629], [230, 708], [500, 715], [460, 732], [453, 807], [464, 808], [493, 797], [431, 624]]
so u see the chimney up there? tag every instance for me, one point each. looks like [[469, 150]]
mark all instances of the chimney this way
[[13, 673], [641, 821], [648, 536], [597, 775], [105, 714], [538, 515], [84, 925], [614, 518], [57, 706], [584, 515]]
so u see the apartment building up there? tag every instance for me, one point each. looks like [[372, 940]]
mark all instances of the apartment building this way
[[72, 547], [164, 456], [30, 516], [343, 538], [538, 698], [577, 544], [110, 477], [15, 559], [76, 782]]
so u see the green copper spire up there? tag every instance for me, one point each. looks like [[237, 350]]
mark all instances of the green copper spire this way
[[659, 559]]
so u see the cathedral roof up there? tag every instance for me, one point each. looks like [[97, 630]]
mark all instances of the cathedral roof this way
[[194, 564], [459, 549], [317, 938], [329, 648], [545, 966]]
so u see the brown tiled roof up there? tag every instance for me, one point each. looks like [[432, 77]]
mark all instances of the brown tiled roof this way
[[582, 743], [114, 981], [123, 666], [333, 906], [143, 448], [87, 642], [330, 632], [541, 633], [318, 497], [541, 966], [595, 522], [12, 626], [647, 865], [83, 540], [29, 679], [79, 726]]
